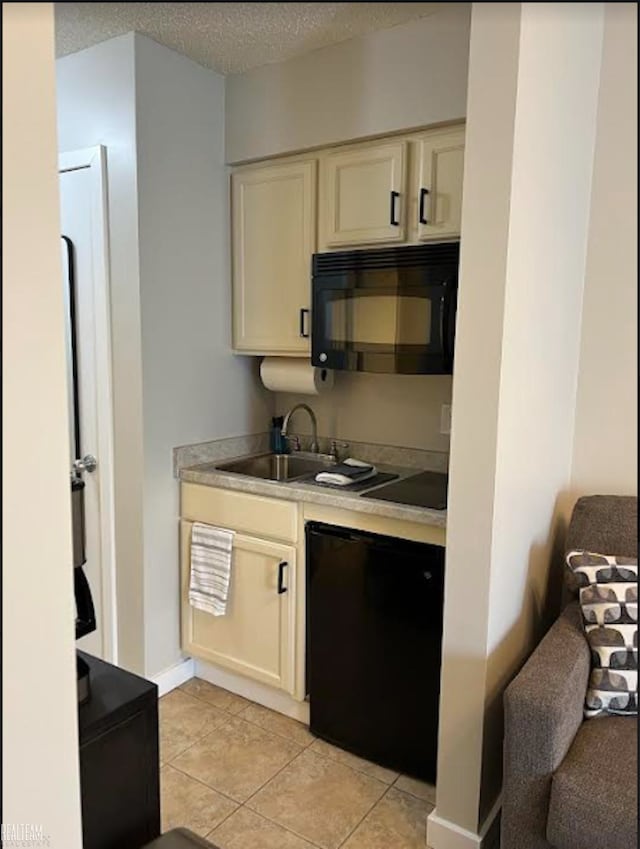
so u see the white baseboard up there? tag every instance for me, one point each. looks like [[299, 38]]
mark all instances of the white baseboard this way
[[253, 690], [174, 676], [443, 834]]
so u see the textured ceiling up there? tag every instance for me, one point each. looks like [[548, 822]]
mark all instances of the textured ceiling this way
[[230, 37]]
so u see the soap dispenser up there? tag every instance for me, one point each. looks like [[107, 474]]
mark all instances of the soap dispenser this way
[[278, 442]]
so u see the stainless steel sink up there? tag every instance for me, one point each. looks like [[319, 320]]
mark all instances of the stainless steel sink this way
[[277, 467]]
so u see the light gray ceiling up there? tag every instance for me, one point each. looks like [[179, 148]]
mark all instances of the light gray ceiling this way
[[230, 37]]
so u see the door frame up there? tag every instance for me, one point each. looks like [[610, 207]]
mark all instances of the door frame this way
[[95, 159]]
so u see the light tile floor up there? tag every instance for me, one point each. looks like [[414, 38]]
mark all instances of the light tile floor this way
[[246, 777]]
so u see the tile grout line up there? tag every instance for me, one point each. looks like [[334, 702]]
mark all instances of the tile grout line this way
[[225, 718], [375, 804], [362, 819], [217, 728], [251, 722], [349, 766], [224, 819], [223, 721], [302, 748], [240, 713], [414, 795], [195, 742], [262, 816], [275, 775], [262, 786], [204, 784], [275, 822], [229, 716], [215, 789], [212, 704], [344, 766]]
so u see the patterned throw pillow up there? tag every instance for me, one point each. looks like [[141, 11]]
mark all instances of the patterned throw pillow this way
[[609, 602]]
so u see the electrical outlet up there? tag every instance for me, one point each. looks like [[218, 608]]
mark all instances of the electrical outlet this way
[[445, 418]]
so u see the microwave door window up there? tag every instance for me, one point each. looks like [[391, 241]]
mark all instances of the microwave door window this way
[[414, 321], [337, 321], [370, 322]]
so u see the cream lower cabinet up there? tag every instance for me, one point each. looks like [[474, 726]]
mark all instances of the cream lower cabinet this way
[[262, 635], [273, 238], [256, 636]]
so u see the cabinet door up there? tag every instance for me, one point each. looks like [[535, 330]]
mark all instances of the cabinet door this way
[[439, 191], [255, 636], [273, 237], [363, 195]]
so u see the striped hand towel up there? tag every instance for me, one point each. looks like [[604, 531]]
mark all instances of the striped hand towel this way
[[211, 550]]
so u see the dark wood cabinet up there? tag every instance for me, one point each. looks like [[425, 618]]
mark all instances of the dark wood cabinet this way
[[119, 759]]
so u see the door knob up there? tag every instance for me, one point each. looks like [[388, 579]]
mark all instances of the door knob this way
[[87, 464]]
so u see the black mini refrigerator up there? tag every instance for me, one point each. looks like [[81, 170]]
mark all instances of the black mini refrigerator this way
[[374, 636]]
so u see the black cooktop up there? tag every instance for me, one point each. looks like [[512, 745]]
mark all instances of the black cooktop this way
[[426, 489]]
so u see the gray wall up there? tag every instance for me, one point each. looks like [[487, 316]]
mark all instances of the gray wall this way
[[407, 76], [194, 388]]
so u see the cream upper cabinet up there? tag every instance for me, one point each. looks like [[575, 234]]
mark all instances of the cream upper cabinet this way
[[255, 637], [362, 195], [273, 238], [399, 190], [437, 195]]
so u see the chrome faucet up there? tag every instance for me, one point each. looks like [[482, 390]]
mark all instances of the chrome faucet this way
[[314, 424]]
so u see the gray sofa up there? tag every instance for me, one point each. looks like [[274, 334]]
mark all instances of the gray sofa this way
[[569, 783]]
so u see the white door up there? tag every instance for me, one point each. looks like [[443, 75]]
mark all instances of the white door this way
[[83, 248]]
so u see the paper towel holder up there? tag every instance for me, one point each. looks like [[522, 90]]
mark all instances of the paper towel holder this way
[[295, 376]]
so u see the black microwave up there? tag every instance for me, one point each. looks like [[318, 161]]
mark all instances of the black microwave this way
[[390, 310]]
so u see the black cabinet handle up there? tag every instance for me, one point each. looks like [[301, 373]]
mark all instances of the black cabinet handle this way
[[423, 197], [303, 324], [392, 213], [281, 567]]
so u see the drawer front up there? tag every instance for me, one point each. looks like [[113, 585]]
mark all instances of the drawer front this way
[[239, 511]]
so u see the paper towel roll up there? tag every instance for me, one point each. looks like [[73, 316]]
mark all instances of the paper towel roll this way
[[288, 374]]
